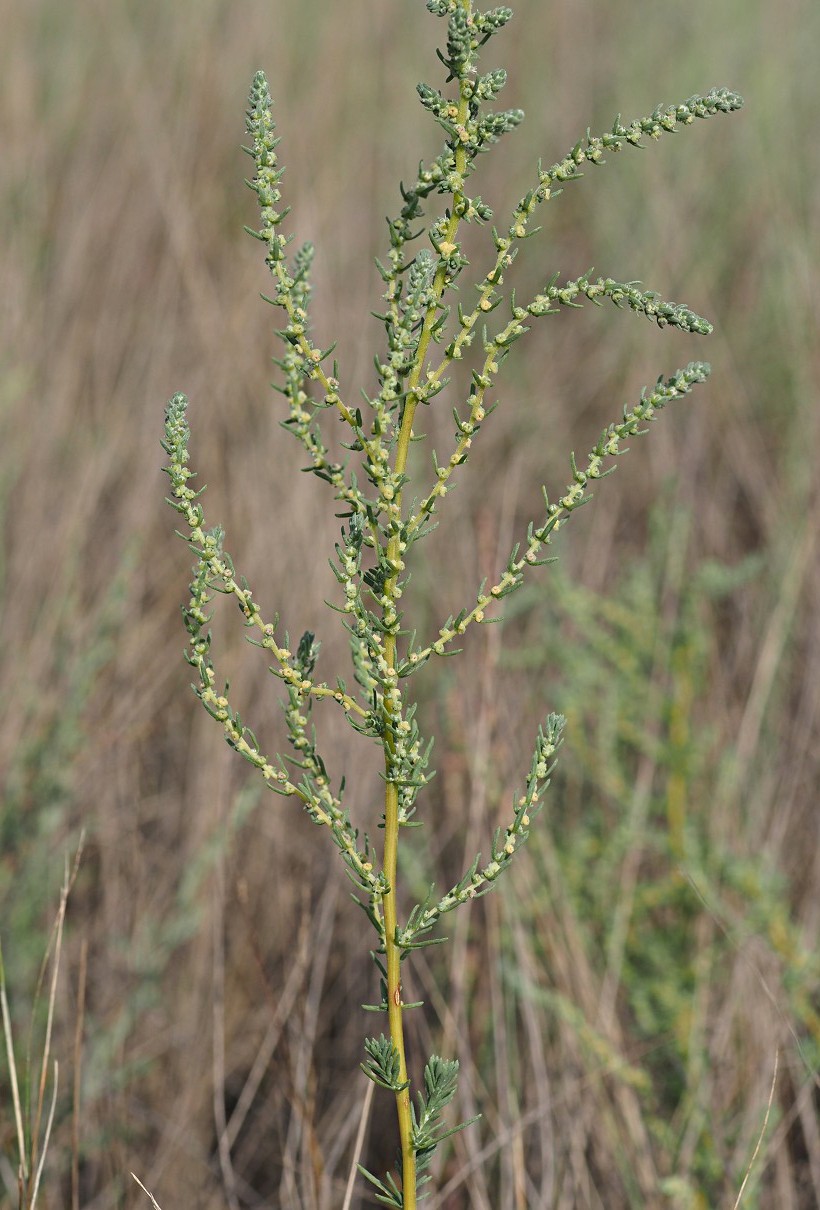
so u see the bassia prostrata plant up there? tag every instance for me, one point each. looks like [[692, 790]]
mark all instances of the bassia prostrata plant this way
[[432, 320]]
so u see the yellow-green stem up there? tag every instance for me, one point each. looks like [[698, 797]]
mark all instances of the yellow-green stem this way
[[391, 797]]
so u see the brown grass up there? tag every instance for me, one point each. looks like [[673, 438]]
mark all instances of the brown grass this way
[[225, 967]]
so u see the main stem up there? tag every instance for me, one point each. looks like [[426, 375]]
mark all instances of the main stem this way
[[391, 796], [391, 854]]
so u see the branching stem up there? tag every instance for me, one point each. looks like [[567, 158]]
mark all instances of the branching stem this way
[[391, 798], [379, 529]]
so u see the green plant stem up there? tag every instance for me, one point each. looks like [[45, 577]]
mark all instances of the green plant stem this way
[[391, 798], [394, 1005], [393, 954], [391, 827]]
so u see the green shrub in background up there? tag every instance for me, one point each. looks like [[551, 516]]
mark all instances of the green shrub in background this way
[[650, 874], [433, 322]]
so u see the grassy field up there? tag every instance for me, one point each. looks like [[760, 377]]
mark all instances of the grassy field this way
[[619, 1018]]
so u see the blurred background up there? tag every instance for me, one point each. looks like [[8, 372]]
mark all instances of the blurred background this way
[[620, 1006]]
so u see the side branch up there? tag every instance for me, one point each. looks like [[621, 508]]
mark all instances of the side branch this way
[[642, 302], [261, 127], [576, 494], [480, 879], [590, 149], [215, 568], [548, 302], [214, 573]]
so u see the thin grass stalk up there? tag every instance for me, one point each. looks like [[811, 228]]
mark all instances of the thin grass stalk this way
[[55, 946], [46, 1136], [154, 1203], [78, 1057], [15, 1090], [762, 1134], [358, 1146]]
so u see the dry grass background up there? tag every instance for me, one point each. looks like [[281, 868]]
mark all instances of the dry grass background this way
[[618, 1014]]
